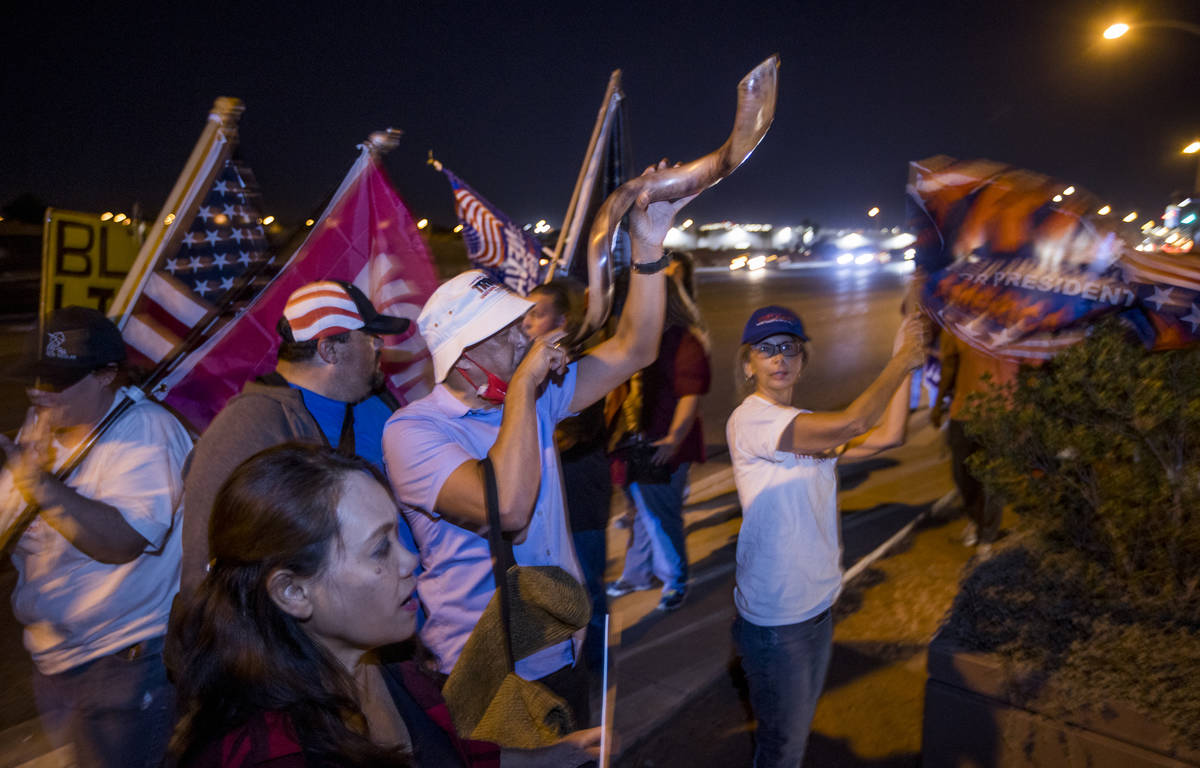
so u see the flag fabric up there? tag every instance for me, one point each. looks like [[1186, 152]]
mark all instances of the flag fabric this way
[[1021, 275], [367, 237], [494, 243], [224, 240]]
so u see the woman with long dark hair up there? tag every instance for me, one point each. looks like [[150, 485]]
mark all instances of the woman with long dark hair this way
[[275, 654]]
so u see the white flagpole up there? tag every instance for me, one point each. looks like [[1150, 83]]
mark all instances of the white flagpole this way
[[581, 197], [208, 157], [608, 698]]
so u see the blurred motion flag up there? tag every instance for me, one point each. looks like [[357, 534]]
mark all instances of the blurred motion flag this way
[[224, 240], [605, 167], [494, 243], [1019, 275], [365, 236]]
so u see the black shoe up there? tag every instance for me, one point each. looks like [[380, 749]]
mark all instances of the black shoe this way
[[672, 599]]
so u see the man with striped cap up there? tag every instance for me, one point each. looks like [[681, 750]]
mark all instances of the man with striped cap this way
[[326, 388]]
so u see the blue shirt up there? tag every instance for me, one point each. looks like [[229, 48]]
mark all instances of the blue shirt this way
[[423, 443], [369, 417]]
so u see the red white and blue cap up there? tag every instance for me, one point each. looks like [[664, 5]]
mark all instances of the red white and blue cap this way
[[329, 307], [770, 320]]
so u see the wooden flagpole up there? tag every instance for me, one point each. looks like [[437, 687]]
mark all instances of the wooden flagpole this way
[[581, 197], [208, 157]]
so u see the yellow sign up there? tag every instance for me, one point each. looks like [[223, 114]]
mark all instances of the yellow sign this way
[[84, 259]]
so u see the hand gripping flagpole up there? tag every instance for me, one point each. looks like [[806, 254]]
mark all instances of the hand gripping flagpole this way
[[755, 112]]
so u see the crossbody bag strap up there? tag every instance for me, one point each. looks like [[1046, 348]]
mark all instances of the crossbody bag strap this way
[[502, 555]]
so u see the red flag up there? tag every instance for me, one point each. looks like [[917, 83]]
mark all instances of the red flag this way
[[366, 236]]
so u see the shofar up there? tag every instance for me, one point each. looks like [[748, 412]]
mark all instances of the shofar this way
[[755, 111]]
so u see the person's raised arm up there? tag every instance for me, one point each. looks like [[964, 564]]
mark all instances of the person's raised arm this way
[[820, 433], [639, 330], [515, 455]]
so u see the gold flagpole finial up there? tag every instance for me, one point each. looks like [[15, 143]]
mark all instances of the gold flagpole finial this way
[[437, 166], [382, 142]]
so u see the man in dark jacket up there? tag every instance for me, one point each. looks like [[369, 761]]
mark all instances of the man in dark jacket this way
[[321, 391]]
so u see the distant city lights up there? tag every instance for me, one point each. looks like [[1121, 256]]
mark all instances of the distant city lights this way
[[106, 216], [422, 223], [458, 228], [1130, 218], [1069, 191], [268, 221], [1105, 210], [309, 222], [873, 212]]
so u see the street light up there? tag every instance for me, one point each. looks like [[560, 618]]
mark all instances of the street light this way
[[1120, 28], [1192, 149], [873, 212]]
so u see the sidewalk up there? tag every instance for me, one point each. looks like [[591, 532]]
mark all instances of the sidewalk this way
[[679, 699]]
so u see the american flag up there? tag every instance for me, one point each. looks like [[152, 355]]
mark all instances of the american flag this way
[[366, 236], [494, 243], [225, 239]]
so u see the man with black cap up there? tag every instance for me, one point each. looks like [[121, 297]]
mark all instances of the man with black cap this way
[[321, 391], [99, 565]]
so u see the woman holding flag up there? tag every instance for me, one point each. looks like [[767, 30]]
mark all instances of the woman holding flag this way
[[789, 548]]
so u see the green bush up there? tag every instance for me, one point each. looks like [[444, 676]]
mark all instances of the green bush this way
[[1099, 453], [1098, 590]]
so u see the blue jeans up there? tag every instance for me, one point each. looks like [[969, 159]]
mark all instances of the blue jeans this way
[[785, 669], [592, 550], [656, 545], [117, 710]]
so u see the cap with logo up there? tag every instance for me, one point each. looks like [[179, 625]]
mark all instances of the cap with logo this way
[[74, 341], [770, 320], [465, 310], [329, 307]]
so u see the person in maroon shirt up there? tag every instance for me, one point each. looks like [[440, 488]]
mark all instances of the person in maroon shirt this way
[[671, 388]]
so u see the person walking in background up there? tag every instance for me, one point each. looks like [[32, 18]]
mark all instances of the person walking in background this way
[[967, 371], [99, 566], [582, 443], [789, 547], [670, 437]]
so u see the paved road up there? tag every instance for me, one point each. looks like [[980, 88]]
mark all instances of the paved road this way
[[851, 316]]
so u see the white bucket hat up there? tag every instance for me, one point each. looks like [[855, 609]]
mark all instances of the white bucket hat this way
[[465, 310]]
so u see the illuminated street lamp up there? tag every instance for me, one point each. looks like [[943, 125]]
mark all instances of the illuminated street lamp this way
[[422, 223], [1192, 149], [1120, 28], [873, 212], [1105, 210], [1130, 218]]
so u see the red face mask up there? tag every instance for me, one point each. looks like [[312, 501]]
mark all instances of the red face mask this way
[[495, 389]]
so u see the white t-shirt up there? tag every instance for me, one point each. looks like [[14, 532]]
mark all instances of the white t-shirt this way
[[74, 608], [789, 548]]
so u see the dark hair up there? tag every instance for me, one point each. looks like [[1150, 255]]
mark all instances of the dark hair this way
[[569, 300], [233, 652], [300, 351]]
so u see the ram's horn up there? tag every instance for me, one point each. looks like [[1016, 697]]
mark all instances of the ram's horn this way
[[755, 111]]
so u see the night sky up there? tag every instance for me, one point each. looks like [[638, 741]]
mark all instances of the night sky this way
[[103, 105]]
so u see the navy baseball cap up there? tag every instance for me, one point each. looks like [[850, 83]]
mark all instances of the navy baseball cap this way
[[74, 342], [770, 320]]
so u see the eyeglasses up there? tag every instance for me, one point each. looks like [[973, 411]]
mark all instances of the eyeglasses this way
[[786, 348]]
